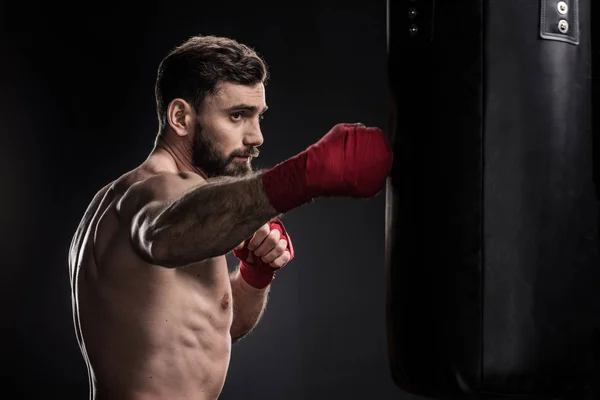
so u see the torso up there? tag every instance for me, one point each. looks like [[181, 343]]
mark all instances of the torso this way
[[146, 331]]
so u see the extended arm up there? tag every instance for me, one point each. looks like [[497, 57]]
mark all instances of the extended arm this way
[[205, 220], [211, 218]]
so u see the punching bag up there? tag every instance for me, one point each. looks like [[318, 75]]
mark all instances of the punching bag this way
[[492, 212]]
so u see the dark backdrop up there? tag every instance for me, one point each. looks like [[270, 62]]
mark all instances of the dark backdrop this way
[[78, 110]]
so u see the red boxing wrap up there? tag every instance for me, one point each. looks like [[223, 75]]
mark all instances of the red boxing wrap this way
[[350, 160], [259, 274], [286, 184]]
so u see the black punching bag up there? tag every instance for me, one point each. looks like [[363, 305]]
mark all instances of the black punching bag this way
[[492, 215]]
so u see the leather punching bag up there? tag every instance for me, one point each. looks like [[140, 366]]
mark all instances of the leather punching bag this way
[[492, 216]]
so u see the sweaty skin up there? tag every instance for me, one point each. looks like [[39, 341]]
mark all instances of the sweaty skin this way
[[151, 322]]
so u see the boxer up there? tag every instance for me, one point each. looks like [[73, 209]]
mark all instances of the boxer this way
[[155, 308]]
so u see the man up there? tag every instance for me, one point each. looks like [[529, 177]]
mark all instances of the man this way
[[155, 308]]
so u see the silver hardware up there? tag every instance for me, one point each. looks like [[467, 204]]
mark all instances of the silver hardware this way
[[562, 7], [413, 30], [412, 13], [563, 26]]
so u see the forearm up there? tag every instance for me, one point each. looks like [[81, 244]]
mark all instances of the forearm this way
[[248, 305], [211, 220]]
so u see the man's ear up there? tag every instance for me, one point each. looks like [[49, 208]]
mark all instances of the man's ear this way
[[180, 116]]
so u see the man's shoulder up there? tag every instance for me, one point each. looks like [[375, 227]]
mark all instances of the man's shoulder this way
[[79, 238], [150, 180], [167, 184], [135, 191], [110, 192]]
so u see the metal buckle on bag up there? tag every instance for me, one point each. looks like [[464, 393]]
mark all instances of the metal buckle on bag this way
[[413, 18], [559, 20]]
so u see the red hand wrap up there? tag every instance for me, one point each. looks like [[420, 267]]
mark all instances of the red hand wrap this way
[[350, 160], [257, 273], [286, 184]]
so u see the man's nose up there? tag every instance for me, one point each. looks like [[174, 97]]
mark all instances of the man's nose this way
[[253, 136]]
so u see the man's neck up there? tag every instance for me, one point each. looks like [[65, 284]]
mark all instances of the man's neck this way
[[174, 157]]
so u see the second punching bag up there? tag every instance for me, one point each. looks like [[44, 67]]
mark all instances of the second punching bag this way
[[492, 243]]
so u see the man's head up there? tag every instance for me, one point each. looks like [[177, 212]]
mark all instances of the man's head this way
[[210, 95]]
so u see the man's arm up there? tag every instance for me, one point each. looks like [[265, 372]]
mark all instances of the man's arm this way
[[248, 305], [178, 219], [211, 219]]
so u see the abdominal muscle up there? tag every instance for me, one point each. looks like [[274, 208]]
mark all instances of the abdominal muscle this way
[[152, 332]]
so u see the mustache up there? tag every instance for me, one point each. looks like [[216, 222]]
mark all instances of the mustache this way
[[253, 152]]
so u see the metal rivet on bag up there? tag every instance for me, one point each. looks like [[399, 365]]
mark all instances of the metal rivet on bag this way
[[413, 30], [412, 13], [562, 7], [563, 26]]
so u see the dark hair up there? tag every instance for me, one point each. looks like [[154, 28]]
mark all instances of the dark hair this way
[[193, 69]]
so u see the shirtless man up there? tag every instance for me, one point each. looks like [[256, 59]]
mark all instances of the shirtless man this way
[[155, 309]]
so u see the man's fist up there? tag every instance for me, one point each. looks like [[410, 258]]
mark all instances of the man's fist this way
[[268, 245], [350, 160], [269, 249]]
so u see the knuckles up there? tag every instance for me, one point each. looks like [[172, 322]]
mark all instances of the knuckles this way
[[273, 238], [282, 245], [282, 260]]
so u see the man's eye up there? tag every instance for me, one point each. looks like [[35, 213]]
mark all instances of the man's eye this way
[[237, 116]]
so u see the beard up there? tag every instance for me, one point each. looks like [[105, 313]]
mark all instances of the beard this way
[[211, 161]]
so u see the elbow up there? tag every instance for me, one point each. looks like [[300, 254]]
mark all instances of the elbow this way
[[235, 338], [150, 240], [152, 248], [162, 245], [162, 250], [157, 252], [238, 332]]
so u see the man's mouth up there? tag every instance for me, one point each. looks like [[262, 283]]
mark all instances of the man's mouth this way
[[245, 156]]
